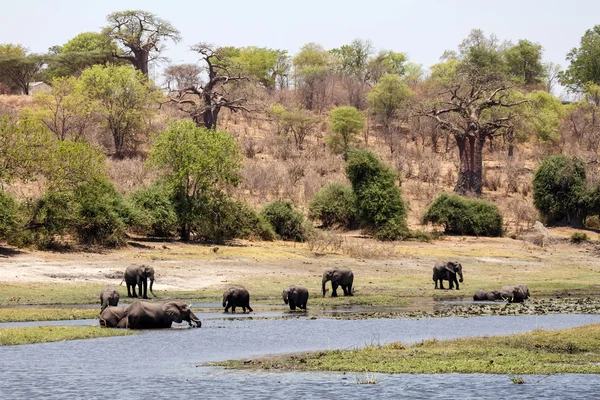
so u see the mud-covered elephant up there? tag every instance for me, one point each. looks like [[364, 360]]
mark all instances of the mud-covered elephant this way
[[447, 271], [236, 296], [138, 275], [339, 276], [514, 293], [114, 317], [487, 295], [108, 297], [146, 315], [295, 296]]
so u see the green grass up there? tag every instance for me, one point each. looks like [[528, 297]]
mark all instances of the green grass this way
[[43, 334], [46, 314], [575, 350]]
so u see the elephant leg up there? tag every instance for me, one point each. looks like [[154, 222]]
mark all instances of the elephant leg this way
[[436, 283], [249, 308], [456, 282], [292, 305], [233, 309], [227, 307], [441, 284], [145, 292], [129, 290], [334, 287], [134, 294]]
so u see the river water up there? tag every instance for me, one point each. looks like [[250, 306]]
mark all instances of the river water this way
[[169, 363]]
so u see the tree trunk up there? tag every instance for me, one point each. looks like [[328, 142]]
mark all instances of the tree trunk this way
[[470, 148]]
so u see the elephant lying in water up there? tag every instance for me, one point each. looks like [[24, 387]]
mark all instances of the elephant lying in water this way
[[295, 295], [108, 297], [146, 315], [510, 293], [114, 317]]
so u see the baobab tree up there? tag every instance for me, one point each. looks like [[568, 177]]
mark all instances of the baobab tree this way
[[204, 101]]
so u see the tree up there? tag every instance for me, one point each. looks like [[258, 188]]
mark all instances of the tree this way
[[64, 109], [386, 62], [17, 68], [141, 36], [182, 76], [524, 61], [198, 162], [352, 62], [345, 123], [266, 66], [386, 101], [559, 188], [312, 70], [582, 122], [121, 96], [298, 122], [584, 67], [203, 102]]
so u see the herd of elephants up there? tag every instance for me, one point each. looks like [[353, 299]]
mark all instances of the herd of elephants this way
[[149, 315]]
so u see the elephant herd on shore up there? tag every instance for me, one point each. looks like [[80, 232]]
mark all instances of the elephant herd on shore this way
[[149, 315]]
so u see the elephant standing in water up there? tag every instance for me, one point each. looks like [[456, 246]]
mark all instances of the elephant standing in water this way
[[447, 272], [146, 315], [108, 297], [295, 295], [114, 317], [138, 275], [236, 296], [339, 276]]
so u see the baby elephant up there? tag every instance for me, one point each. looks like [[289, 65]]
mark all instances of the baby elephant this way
[[295, 295], [515, 293], [487, 295], [114, 317], [108, 297], [236, 296]]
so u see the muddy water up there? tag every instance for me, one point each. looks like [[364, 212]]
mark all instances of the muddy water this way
[[168, 363]]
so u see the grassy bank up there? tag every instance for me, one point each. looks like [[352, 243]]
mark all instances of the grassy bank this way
[[46, 314], [43, 334], [573, 350]]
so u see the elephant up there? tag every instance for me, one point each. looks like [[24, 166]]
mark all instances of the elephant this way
[[146, 315], [108, 297], [447, 272], [295, 295], [515, 293], [138, 275], [339, 276], [236, 296], [114, 317], [485, 295]]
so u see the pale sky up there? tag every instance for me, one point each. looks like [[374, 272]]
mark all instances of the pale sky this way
[[421, 29]]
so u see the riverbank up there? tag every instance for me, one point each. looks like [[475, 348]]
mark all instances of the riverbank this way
[[45, 334]]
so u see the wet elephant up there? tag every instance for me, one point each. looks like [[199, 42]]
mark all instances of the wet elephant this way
[[447, 272], [514, 293], [138, 275], [109, 296], [295, 296], [114, 317], [146, 315], [487, 295], [339, 276], [236, 296]]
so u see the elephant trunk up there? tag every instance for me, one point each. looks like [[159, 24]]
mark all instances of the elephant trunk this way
[[195, 320], [324, 282], [461, 276], [224, 300], [285, 297], [152, 283]]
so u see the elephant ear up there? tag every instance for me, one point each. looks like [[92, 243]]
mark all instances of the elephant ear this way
[[173, 310], [450, 267]]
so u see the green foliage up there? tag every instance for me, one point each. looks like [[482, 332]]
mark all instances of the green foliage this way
[[10, 218], [386, 63], [103, 214], [123, 99], [264, 65], [297, 122], [583, 67], [381, 209], [524, 62], [578, 237], [155, 202], [345, 122], [388, 96], [559, 187], [18, 69], [196, 161], [335, 206], [53, 216], [464, 216], [547, 111], [287, 221]]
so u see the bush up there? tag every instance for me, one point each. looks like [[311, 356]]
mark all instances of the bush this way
[[11, 220], [287, 222], [464, 216], [559, 190], [577, 238], [381, 209], [155, 202], [593, 222], [53, 215], [335, 206], [103, 214]]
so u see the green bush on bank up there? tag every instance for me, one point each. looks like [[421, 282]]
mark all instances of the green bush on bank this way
[[287, 222], [155, 203], [335, 206], [464, 216]]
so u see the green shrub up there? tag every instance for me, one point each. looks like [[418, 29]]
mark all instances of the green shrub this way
[[559, 190], [103, 214], [155, 202], [578, 237], [11, 220], [53, 215], [381, 209], [287, 222], [335, 206], [464, 216]]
